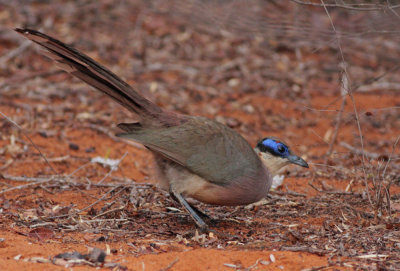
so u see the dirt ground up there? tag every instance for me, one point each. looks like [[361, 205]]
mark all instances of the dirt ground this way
[[341, 214]]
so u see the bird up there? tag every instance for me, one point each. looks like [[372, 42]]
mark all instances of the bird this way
[[196, 157]]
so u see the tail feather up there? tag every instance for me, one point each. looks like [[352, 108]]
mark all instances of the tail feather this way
[[94, 74]]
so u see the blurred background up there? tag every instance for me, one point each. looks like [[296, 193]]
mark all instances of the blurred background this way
[[278, 67], [322, 75]]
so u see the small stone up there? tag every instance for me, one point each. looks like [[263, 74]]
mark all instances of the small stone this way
[[73, 146]]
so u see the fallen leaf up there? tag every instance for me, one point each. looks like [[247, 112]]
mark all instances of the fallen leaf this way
[[41, 233]]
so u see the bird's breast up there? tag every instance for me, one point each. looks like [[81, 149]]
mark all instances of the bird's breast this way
[[239, 191]]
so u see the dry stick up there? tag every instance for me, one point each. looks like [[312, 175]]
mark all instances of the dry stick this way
[[43, 180], [14, 53], [26, 185], [349, 92], [356, 87], [390, 157], [317, 251], [377, 78], [105, 220], [21, 179], [358, 152], [113, 137], [7, 164], [30, 140], [110, 211], [359, 7], [113, 168], [317, 268], [365, 214], [331, 192], [169, 266], [387, 194], [387, 188], [376, 174], [18, 79], [381, 86], [392, 9], [78, 169], [345, 85], [91, 205], [378, 190], [254, 265]]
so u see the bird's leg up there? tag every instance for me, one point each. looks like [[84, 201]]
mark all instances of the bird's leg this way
[[200, 212], [197, 210], [197, 219]]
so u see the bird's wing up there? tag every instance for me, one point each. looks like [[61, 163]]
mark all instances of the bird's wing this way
[[205, 147]]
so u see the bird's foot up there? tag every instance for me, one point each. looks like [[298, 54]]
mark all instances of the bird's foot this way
[[203, 215]]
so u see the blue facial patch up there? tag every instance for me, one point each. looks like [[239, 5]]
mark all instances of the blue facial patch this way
[[269, 143], [275, 147]]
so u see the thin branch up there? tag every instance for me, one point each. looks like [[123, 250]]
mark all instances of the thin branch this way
[[91, 205], [13, 53], [27, 185], [30, 140], [359, 152], [332, 192], [338, 118], [113, 168], [169, 266], [308, 249], [350, 94], [359, 7]]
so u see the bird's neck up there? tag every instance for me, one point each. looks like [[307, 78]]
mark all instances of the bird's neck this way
[[273, 163]]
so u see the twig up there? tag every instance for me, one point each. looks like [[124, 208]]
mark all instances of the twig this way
[[113, 168], [364, 214], [59, 159], [289, 192], [42, 224], [105, 220], [30, 140], [387, 188], [19, 79], [91, 205], [13, 53], [390, 157], [113, 137], [338, 118], [39, 180], [380, 86], [358, 152], [355, 88], [21, 178], [26, 185], [317, 268], [254, 265], [169, 266], [332, 192], [350, 94], [360, 6], [78, 169], [6, 164], [110, 211], [317, 251]]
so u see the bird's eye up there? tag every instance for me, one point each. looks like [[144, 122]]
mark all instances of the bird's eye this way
[[281, 149]]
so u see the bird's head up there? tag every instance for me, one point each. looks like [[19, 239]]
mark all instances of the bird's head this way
[[276, 154]]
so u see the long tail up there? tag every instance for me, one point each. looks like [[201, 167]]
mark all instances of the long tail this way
[[91, 72]]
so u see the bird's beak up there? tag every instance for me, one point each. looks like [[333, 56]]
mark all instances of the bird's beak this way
[[294, 159]]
